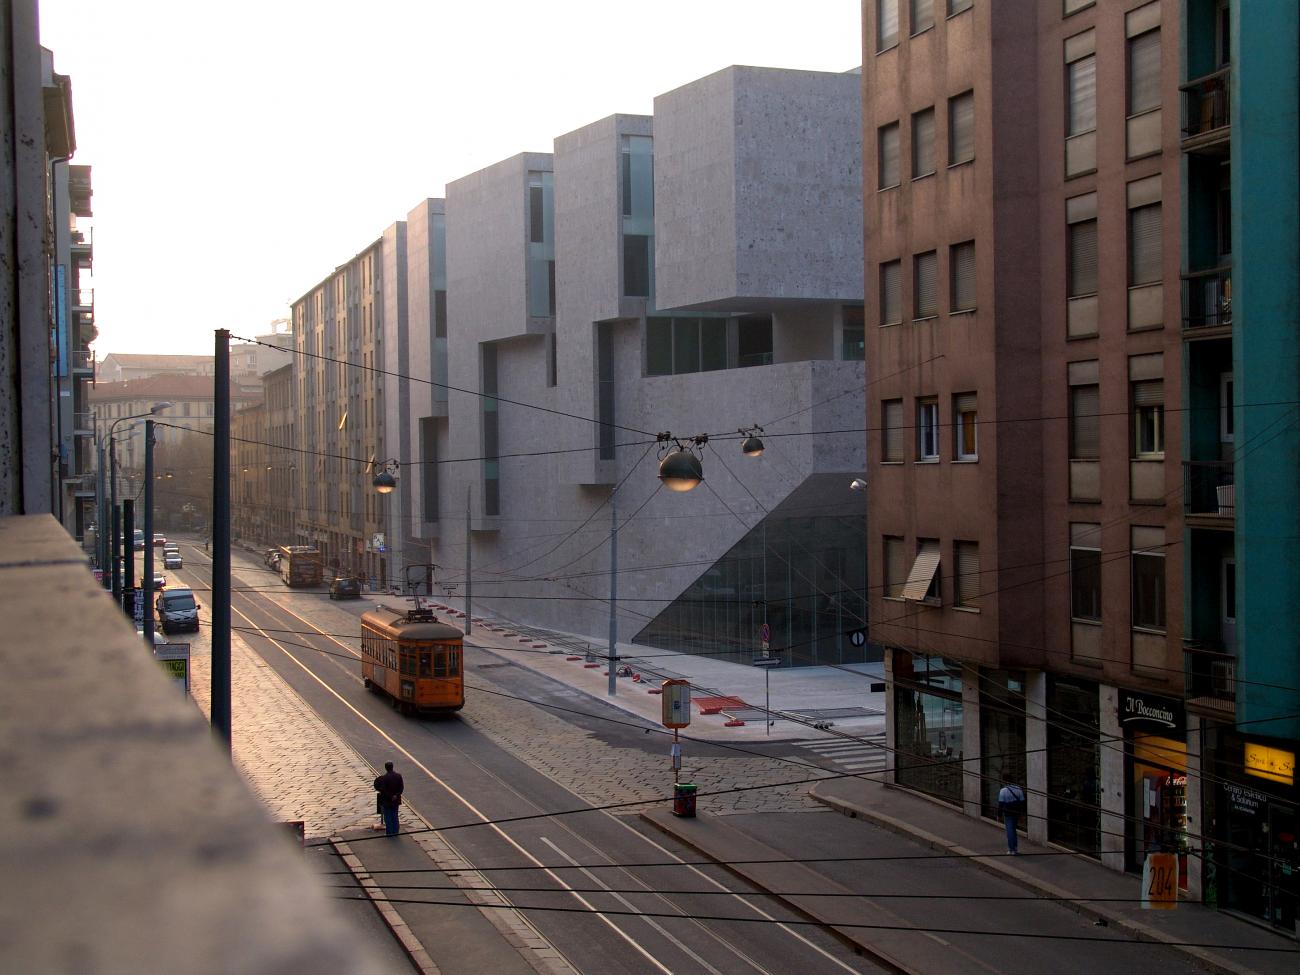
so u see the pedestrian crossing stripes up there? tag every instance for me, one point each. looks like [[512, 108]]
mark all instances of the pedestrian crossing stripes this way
[[862, 753]]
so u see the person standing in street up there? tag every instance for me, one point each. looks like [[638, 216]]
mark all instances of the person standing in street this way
[[1011, 803], [389, 787]]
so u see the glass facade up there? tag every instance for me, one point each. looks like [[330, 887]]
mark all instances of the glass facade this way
[[541, 245], [1002, 734], [802, 570], [1073, 764], [928, 724], [637, 170]]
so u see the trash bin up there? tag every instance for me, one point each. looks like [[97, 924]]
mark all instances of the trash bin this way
[[684, 799]]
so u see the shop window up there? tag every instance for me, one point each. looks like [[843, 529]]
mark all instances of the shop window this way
[[1074, 764], [1002, 735], [928, 730]]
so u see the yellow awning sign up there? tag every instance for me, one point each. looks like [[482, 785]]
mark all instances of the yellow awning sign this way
[[1270, 763]]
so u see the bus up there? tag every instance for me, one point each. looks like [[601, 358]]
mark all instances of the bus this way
[[300, 565], [413, 659]]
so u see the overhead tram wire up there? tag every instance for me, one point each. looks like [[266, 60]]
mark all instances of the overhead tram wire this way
[[449, 388]]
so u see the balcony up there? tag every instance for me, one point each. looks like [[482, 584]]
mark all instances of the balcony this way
[[1207, 113], [83, 301], [1207, 302], [83, 362], [1209, 494], [83, 424], [83, 247], [1211, 679]]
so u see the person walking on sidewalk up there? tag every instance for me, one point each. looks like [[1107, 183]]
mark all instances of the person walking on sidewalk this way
[[389, 786], [1011, 803]]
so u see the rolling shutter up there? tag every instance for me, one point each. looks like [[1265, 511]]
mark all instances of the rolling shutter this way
[[923, 570], [968, 572]]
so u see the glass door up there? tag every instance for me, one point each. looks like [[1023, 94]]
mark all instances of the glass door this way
[[1283, 867]]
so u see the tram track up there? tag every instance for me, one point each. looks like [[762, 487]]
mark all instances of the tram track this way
[[706, 939]]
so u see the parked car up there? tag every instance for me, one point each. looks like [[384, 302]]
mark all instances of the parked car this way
[[159, 540], [271, 558], [345, 587], [177, 610], [159, 582], [173, 560]]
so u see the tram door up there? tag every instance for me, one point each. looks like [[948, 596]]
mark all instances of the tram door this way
[[1284, 867]]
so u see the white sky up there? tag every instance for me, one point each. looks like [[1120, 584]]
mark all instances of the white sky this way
[[242, 150]]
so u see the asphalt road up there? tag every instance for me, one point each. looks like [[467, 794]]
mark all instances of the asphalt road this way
[[562, 871]]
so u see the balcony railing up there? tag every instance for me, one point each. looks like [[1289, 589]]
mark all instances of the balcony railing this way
[[1207, 113], [1208, 489], [83, 360], [83, 299], [1211, 677], [1207, 298], [83, 423]]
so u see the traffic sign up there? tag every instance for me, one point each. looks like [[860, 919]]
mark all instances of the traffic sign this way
[[765, 634], [858, 637], [766, 661]]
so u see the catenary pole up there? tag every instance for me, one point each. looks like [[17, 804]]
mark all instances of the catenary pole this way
[[221, 541], [117, 521], [613, 598], [128, 557], [469, 562], [147, 581]]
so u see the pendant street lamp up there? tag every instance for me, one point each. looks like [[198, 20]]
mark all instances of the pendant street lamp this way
[[680, 468], [751, 446], [857, 484], [385, 479]]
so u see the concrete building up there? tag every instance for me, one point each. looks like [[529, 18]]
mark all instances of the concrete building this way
[[1023, 182], [340, 330], [1241, 341], [119, 367], [250, 468], [282, 459], [695, 273]]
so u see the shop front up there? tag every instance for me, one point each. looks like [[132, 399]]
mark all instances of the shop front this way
[[1002, 735], [928, 724], [1255, 822], [1074, 764], [1155, 749]]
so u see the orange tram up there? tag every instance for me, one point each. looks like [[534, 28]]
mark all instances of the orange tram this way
[[413, 659]]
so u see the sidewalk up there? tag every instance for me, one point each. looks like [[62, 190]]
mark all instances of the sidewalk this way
[[1104, 894]]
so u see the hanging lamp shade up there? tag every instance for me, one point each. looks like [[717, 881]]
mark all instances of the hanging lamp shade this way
[[384, 482], [681, 471], [752, 446]]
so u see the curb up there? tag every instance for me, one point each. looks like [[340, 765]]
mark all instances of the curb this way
[[990, 864], [420, 958]]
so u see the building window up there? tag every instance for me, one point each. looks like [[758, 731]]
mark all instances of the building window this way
[[1085, 571], [891, 293], [1081, 95], [895, 566], [754, 341], [675, 346], [891, 440], [925, 285], [964, 416], [923, 143], [552, 360], [886, 24], [1148, 578], [541, 244], [1082, 269], [961, 128], [491, 433], [922, 15], [927, 429], [887, 156], [1085, 422], [1149, 419], [922, 584], [605, 390], [636, 265], [966, 574], [961, 263], [958, 6], [429, 468], [637, 162], [853, 337], [1227, 422], [1144, 72], [1145, 251]]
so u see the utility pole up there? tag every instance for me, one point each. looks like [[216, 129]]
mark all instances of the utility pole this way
[[469, 561], [613, 598], [117, 526], [148, 534], [128, 557], [221, 541]]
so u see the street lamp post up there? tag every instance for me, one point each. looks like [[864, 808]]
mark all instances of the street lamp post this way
[[148, 533], [116, 570]]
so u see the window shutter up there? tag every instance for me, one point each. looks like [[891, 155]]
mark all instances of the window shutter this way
[[961, 128], [1145, 249], [1149, 393], [926, 270], [1082, 81], [890, 293], [1083, 258], [1144, 73], [963, 276], [895, 566], [968, 572], [922, 15], [886, 23], [1085, 424], [893, 433], [923, 570], [923, 143], [966, 403], [888, 144]]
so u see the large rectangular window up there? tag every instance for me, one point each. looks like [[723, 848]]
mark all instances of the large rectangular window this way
[[957, 6], [1145, 248], [1148, 419], [428, 469], [922, 15], [1085, 422], [891, 434], [1148, 574], [637, 168], [928, 732], [961, 128], [923, 143], [1081, 95], [1085, 571], [895, 554], [927, 429], [961, 272], [636, 265], [853, 341], [1082, 272], [491, 433], [887, 149], [1144, 72], [964, 422], [891, 293], [605, 390], [966, 574], [925, 285], [675, 346], [886, 24], [754, 341], [541, 244]]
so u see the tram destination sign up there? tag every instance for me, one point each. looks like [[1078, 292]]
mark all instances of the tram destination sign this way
[[1148, 712]]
